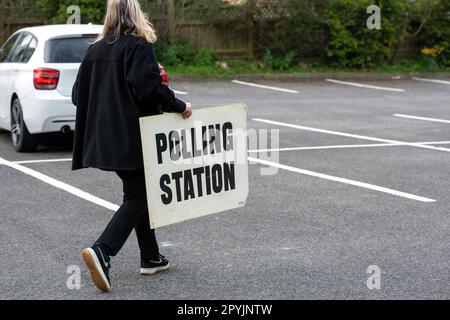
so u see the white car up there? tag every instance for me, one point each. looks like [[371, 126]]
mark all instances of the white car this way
[[38, 67]]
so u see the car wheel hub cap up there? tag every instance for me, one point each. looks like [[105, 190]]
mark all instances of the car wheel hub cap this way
[[15, 125]]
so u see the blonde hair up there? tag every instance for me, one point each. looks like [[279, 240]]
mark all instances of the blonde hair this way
[[126, 17]]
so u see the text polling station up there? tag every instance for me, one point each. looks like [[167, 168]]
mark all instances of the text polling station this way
[[195, 167]]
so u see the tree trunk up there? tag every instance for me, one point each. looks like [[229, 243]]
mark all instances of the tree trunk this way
[[171, 20], [2, 25], [251, 29]]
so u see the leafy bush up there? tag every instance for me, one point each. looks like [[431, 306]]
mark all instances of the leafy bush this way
[[278, 63], [351, 43], [204, 57], [436, 34], [171, 57], [300, 31], [319, 31], [174, 54], [183, 53], [55, 11], [335, 31]]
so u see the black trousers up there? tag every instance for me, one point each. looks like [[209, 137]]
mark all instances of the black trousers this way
[[132, 214]]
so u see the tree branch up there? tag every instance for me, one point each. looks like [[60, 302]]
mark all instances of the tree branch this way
[[422, 24]]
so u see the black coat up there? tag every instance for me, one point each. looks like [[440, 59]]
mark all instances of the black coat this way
[[116, 84]]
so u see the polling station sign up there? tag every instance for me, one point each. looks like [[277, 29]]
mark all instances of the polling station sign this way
[[195, 167]]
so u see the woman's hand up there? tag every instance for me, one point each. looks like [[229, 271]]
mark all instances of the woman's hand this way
[[188, 111]]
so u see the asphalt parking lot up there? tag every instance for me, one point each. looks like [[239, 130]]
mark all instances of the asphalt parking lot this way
[[364, 179]]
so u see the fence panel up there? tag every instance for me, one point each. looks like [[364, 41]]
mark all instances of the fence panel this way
[[222, 27], [226, 28], [17, 14]]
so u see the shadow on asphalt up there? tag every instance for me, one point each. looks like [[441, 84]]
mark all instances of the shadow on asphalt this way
[[49, 142]]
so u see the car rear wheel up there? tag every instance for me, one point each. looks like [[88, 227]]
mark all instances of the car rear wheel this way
[[21, 138]]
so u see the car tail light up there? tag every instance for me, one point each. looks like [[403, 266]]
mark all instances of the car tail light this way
[[45, 79], [162, 72], [165, 79]]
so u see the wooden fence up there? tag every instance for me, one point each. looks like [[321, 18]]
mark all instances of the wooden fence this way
[[231, 42], [219, 31], [228, 29], [15, 15]]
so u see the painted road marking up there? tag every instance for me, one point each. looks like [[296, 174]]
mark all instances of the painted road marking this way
[[263, 86], [42, 160], [108, 205], [347, 146], [407, 116], [61, 185], [344, 146], [166, 244], [350, 135], [431, 80], [360, 85], [343, 180], [182, 93]]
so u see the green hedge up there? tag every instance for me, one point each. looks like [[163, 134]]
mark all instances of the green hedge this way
[[435, 36], [335, 31], [55, 11], [331, 32]]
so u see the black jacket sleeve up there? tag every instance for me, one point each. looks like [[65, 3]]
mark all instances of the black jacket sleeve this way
[[146, 83]]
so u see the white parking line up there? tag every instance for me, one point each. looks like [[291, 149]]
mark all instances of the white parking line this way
[[347, 146], [182, 93], [108, 205], [360, 85], [343, 180], [431, 80], [60, 185], [42, 161], [263, 86], [166, 244], [407, 116], [343, 146], [350, 135]]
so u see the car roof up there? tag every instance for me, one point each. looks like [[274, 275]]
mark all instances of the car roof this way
[[51, 31]]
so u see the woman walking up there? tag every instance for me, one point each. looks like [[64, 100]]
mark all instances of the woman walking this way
[[118, 82]]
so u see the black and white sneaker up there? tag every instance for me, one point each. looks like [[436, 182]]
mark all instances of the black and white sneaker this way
[[98, 264], [149, 267]]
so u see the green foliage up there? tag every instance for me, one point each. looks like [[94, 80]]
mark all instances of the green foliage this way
[[171, 56], [204, 57], [174, 54], [183, 53], [436, 34], [351, 43], [335, 31], [331, 32], [278, 63], [249, 67], [301, 30], [55, 11]]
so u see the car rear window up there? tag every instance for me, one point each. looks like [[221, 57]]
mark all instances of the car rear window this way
[[67, 50]]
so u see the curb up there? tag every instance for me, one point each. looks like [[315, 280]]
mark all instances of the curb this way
[[319, 76]]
